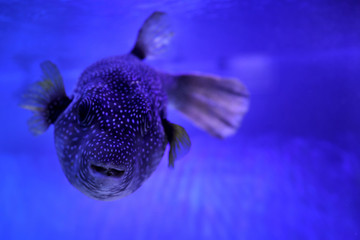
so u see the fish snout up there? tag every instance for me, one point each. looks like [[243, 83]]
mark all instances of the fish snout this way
[[107, 171]]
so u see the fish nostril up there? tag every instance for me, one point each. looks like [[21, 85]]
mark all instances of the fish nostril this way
[[110, 172]]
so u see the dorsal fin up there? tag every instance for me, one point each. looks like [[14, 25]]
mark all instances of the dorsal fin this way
[[46, 99], [153, 36], [178, 140]]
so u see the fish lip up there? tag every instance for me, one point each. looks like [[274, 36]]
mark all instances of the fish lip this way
[[106, 170]]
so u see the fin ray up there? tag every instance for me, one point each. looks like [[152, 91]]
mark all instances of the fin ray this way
[[153, 36], [43, 94], [178, 140], [216, 105]]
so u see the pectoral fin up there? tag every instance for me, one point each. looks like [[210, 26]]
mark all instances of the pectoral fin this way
[[178, 140], [46, 99]]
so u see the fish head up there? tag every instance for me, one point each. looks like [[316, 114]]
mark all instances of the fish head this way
[[98, 140]]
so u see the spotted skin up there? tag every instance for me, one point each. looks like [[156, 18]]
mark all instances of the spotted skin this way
[[117, 144], [112, 133]]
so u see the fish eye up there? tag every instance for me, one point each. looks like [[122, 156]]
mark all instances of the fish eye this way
[[85, 115]]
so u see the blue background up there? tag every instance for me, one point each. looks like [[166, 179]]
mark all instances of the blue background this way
[[291, 172]]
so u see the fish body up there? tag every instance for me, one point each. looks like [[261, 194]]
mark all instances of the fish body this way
[[111, 134], [128, 102]]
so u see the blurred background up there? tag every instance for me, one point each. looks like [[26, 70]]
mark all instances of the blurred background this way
[[291, 172]]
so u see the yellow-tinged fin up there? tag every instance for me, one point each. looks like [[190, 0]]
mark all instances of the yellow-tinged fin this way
[[46, 99], [178, 140]]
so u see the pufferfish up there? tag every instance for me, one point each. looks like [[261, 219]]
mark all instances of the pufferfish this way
[[111, 134]]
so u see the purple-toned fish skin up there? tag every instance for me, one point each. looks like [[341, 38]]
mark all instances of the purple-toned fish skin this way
[[125, 94], [111, 134]]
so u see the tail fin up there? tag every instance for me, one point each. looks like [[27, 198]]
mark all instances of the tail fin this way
[[46, 99], [216, 105], [153, 37]]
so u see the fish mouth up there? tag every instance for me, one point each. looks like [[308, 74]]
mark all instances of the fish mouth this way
[[107, 171]]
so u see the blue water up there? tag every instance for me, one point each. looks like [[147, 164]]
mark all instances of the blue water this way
[[291, 172]]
